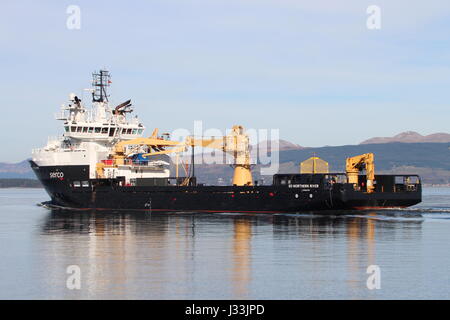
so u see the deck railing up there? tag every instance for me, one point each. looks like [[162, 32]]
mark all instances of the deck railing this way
[[128, 162]]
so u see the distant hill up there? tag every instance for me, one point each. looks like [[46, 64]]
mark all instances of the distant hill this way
[[429, 160], [16, 170], [387, 156], [281, 145], [410, 137]]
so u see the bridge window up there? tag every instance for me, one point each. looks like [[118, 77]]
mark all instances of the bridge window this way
[[97, 130], [91, 129], [79, 129], [73, 129], [140, 131], [85, 129], [104, 130], [134, 131], [67, 129]]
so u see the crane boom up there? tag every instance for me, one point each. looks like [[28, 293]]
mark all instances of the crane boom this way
[[235, 143], [153, 142]]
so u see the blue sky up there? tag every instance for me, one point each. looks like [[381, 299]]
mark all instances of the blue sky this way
[[313, 70]]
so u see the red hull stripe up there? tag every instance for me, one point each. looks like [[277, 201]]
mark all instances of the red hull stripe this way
[[377, 208]]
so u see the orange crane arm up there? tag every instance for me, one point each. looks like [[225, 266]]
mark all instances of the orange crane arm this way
[[235, 143], [120, 146], [180, 148]]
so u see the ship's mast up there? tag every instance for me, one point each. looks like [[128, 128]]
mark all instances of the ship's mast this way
[[100, 81]]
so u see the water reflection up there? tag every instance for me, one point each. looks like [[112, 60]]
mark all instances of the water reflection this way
[[242, 253], [192, 255]]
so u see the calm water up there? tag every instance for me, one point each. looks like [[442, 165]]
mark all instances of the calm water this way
[[223, 256]]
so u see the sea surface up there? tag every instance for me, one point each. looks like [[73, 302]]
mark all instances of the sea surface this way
[[48, 254]]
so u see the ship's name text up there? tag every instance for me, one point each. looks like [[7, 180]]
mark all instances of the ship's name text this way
[[303, 186]]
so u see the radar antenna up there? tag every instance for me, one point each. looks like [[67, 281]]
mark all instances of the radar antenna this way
[[100, 81]]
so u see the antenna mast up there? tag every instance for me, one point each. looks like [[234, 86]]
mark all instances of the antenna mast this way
[[100, 81]]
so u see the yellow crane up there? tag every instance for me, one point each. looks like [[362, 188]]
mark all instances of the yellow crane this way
[[153, 142], [358, 163], [235, 143]]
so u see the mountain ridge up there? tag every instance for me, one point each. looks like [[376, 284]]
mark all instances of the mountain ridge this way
[[410, 137]]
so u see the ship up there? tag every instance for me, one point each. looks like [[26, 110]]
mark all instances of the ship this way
[[103, 161]]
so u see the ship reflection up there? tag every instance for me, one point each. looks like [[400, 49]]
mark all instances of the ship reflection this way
[[241, 257], [165, 255]]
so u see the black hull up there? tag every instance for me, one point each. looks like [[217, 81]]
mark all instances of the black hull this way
[[262, 199]]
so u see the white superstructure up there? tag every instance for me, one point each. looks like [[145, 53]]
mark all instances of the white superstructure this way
[[90, 134]]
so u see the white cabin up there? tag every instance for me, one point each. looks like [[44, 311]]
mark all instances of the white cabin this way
[[89, 136]]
